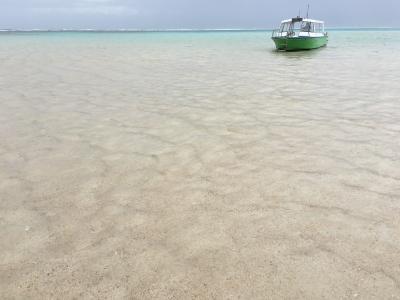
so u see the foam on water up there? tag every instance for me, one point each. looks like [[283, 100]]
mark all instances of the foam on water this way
[[178, 165]]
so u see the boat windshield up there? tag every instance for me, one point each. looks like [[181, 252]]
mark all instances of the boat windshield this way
[[285, 27], [306, 27], [296, 27]]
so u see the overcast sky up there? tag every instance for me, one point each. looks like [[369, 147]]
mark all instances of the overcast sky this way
[[163, 14]]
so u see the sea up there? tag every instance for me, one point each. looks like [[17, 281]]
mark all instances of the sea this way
[[199, 164]]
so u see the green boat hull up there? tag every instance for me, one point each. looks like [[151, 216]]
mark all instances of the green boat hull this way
[[300, 43]]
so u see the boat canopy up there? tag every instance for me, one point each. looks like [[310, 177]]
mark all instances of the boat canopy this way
[[302, 20], [300, 27], [300, 34]]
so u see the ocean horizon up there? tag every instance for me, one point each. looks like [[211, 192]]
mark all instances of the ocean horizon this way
[[345, 28]]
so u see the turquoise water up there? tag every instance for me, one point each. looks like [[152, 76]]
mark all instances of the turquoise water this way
[[199, 164], [337, 34]]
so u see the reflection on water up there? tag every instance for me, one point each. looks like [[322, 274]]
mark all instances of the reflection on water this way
[[298, 55]]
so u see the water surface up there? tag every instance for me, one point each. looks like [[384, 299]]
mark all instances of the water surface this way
[[199, 164]]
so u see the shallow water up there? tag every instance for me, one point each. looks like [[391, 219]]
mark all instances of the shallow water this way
[[183, 165]]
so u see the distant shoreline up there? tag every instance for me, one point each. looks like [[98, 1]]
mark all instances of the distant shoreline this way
[[187, 30]]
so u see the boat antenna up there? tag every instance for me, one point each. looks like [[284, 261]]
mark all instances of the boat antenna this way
[[308, 9], [299, 13]]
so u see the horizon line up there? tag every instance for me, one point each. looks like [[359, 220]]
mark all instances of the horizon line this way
[[180, 29]]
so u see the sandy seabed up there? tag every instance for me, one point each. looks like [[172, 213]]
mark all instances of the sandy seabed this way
[[198, 166]]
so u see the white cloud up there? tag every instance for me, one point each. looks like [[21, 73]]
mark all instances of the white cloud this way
[[98, 10], [88, 7]]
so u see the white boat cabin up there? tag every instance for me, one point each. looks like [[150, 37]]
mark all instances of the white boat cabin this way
[[299, 27]]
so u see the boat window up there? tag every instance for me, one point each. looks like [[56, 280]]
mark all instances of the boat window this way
[[306, 27], [317, 27], [296, 27], [285, 27]]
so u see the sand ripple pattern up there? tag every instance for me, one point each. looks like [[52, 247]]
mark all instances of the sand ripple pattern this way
[[199, 166]]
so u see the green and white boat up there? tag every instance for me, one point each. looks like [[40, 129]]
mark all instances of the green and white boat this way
[[300, 34]]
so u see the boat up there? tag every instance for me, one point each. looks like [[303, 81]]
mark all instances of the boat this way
[[300, 34]]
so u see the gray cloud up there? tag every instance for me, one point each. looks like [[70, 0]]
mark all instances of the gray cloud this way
[[190, 13]]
